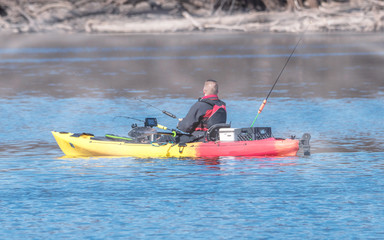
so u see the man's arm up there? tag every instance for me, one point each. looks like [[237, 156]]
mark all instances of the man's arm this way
[[193, 117]]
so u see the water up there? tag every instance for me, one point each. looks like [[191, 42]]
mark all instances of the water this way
[[332, 88]]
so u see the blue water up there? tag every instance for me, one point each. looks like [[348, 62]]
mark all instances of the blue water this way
[[326, 196], [337, 192]]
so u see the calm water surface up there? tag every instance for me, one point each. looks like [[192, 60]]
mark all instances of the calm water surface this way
[[333, 88]]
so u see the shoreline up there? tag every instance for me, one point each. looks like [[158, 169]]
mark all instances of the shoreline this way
[[330, 17]]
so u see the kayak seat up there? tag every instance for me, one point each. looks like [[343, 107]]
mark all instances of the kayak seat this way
[[213, 132]]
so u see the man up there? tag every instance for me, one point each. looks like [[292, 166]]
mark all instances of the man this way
[[206, 112]]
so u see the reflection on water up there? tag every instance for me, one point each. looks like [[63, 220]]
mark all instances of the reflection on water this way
[[82, 66], [332, 88]]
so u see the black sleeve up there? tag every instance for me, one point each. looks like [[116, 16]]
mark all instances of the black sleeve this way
[[193, 117]]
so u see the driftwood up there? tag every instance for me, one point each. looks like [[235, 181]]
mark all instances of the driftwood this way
[[146, 16], [195, 23]]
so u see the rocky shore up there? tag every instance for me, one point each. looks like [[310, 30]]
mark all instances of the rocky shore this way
[[165, 16]]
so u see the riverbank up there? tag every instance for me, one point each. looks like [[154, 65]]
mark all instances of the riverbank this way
[[144, 17]]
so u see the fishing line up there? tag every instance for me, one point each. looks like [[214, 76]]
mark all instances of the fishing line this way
[[278, 77], [128, 118]]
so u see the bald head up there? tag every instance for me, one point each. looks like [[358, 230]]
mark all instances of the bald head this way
[[211, 87]]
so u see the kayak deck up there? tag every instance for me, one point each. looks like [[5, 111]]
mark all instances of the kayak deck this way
[[87, 145]]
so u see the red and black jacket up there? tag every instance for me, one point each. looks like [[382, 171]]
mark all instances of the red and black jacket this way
[[206, 112]]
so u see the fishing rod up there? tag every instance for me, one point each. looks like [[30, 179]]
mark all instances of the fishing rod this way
[[163, 111], [277, 79]]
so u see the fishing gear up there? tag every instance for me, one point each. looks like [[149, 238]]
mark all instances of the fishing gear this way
[[163, 111], [152, 122], [149, 122], [277, 79]]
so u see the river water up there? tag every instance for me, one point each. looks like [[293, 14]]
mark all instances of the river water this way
[[332, 88]]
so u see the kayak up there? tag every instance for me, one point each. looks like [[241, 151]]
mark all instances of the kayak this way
[[88, 145]]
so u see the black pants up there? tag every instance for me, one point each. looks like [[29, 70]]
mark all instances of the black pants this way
[[197, 136]]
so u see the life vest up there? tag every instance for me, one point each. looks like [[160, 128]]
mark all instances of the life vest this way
[[217, 114]]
